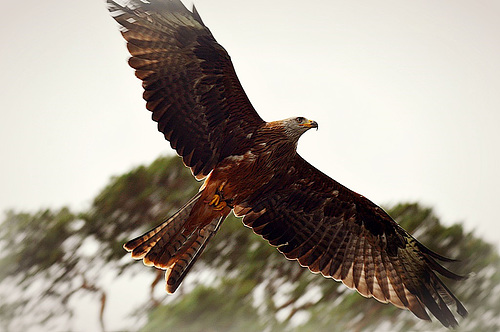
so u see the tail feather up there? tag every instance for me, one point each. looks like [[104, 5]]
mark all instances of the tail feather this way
[[187, 257], [160, 254], [173, 247], [144, 244], [166, 252], [184, 245]]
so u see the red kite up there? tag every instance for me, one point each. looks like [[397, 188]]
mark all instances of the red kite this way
[[252, 167]]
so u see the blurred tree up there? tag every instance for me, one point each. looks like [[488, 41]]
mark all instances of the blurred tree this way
[[239, 284], [45, 261], [137, 200]]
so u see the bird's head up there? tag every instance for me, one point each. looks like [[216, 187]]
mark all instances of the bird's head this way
[[296, 126]]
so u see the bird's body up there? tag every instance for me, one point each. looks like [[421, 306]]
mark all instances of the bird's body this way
[[271, 147], [252, 167]]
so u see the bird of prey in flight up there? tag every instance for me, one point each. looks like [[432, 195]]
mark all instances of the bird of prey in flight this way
[[252, 168]]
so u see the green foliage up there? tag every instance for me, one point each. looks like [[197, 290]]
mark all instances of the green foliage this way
[[137, 200], [207, 308], [240, 282], [37, 247], [43, 235]]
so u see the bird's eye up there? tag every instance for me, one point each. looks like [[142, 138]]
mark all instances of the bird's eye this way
[[300, 119]]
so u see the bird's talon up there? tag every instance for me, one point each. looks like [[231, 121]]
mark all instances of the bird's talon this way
[[220, 206], [218, 201], [215, 201]]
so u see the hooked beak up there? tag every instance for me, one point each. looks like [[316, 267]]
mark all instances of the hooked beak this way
[[310, 124]]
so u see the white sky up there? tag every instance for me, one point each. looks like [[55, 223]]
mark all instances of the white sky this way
[[406, 94]]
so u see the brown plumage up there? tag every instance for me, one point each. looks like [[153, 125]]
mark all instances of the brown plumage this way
[[252, 167]]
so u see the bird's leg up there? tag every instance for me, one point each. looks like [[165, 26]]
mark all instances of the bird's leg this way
[[218, 200]]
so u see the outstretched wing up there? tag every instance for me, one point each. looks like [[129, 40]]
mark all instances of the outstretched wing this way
[[341, 234], [190, 83]]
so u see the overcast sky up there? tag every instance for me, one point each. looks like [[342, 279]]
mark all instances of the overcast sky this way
[[406, 94]]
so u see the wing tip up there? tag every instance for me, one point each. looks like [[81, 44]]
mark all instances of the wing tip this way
[[196, 16]]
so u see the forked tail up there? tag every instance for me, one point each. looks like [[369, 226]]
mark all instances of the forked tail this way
[[170, 246]]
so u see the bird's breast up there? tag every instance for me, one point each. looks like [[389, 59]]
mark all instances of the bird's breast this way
[[242, 174]]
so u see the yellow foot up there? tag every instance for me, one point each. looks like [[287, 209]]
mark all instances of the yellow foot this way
[[218, 201], [220, 206]]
